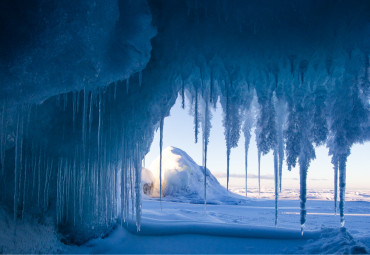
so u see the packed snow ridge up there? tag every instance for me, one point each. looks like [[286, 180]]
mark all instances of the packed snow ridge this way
[[183, 179]]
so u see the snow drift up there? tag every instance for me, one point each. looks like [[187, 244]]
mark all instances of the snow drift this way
[[182, 180]]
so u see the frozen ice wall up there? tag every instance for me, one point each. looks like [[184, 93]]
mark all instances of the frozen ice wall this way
[[53, 47], [79, 156], [84, 86]]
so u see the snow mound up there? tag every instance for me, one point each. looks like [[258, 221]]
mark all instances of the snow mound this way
[[183, 180], [333, 241]]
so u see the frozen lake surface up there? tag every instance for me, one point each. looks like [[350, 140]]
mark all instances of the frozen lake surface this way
[[182, 228]]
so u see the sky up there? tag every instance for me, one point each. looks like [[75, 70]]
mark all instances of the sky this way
[[179, 132]]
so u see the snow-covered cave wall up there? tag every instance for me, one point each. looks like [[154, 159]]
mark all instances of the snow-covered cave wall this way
[[57, 60], [78, 156], [53, 47], [307, 69]]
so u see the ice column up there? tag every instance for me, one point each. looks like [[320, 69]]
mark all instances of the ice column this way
[[160, 156], [342, 186]]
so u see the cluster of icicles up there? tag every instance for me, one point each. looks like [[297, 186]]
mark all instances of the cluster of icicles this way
[[311, 115], [85, 149], [78, 155]]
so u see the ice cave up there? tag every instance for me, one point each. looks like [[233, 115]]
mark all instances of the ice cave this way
[[87, 85]]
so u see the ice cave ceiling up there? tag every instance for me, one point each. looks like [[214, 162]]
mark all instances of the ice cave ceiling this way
[[84, 86]]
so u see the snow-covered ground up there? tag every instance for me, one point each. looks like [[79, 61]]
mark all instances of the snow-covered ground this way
[[223, 228], [194, 228], [231, 223]]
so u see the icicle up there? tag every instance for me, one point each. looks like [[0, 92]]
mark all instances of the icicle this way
[[80, 191], [73, 109], [276, 177], [46, 185], [137, 165], [16, 168], [246, 145], [281, 159], [281, 154], [20, 158], [303, 191], [90, 112], [205, 147], [335, 185], [227, 166], [84, 123], [39, 177], [196, 117], [74, 196], [228, 135], [247, 137], [24, 186], [58, 203], [123, 180], [132, 188], [99, 121], [34, 167], [280, 110], [342, 187], [160, 157], [124, 183], [259, 172]]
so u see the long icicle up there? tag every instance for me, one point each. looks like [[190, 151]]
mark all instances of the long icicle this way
[[137, 166], [205, 141], [160, 158], [16, 166], [276, 177], [227, 166], [281, 154], [196, 117], [335, 162], [259, 172], [246, 166], [342, 187], [280, 138], [228, 149], [247, 137], [303, 192]]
